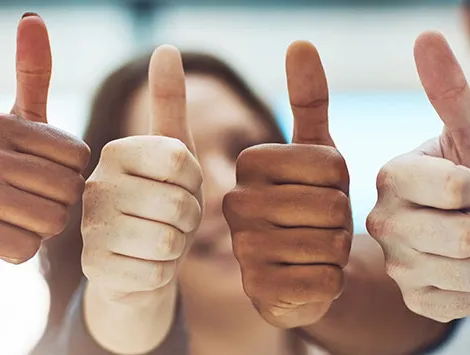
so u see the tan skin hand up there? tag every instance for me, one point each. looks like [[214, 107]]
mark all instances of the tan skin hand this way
[[290, 214], [421, 217], [41, 165]]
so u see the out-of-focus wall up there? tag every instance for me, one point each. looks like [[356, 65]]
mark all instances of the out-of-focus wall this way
[[362, 48]]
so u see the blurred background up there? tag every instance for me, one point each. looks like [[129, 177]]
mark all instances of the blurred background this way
[[377, 107]]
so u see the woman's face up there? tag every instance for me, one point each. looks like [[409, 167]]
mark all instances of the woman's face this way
[[222, 126]]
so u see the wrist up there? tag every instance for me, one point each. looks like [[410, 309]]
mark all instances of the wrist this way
[[135, 324]]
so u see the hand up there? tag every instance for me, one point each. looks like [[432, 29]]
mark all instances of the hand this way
[[144, 199], [421, 218], [40, 165], [290, 214]]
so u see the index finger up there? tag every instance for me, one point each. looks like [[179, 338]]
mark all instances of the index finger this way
[[168, 96], [308, 93]]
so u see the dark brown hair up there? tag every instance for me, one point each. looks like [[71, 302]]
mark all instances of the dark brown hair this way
[[61, 256]]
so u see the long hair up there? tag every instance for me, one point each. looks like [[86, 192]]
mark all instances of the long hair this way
[[61, 256]]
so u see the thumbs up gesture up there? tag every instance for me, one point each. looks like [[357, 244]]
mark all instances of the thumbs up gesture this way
[[421, 217], [143, 201], [40, 165], [289, 214]]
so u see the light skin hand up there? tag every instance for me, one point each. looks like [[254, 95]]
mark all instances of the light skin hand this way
[[141, 206], [421, 218]]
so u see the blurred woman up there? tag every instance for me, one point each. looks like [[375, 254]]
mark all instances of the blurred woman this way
[[225, 117]]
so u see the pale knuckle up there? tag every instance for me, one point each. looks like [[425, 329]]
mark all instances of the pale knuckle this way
[[396, 270], [170, 243], [386, 178], [464, 241], [90, 267], [178, 156], [157, 276], [93, 194], [378, 224], [113, 149], [415, 303], [186, 208], [455, 188]]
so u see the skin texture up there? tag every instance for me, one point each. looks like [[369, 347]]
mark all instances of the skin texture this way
[[421, 218], [294, 199], [131, 249], [292, 233], [343, 313], [41, 165]]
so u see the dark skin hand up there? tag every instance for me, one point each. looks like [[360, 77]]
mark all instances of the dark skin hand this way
[[291, 225], [41, 165], [289, 214]]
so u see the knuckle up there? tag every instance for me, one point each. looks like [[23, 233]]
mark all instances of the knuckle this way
[[160, 274], [247, 157], [243, 246], [342, 242], [237, 203], [414, 300], [178, 156], [332, 283], [386, 178], [89, 265], [76, 189], [28, 249], [170, 243], [464, 241], [82, 154], [227, 204], [112, 148], [339, 207], [455, 186], [59, 218], [339, 167], [186, 209], [11, 126], [252, 282], [396, 270], [378, 225]]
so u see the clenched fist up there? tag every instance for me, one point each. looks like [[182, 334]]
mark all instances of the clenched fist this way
[[144, 199], [421, 217], [290, 214], [40, 175]]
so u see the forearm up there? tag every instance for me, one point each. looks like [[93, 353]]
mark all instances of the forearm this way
[[370, 318], [136, 325]]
